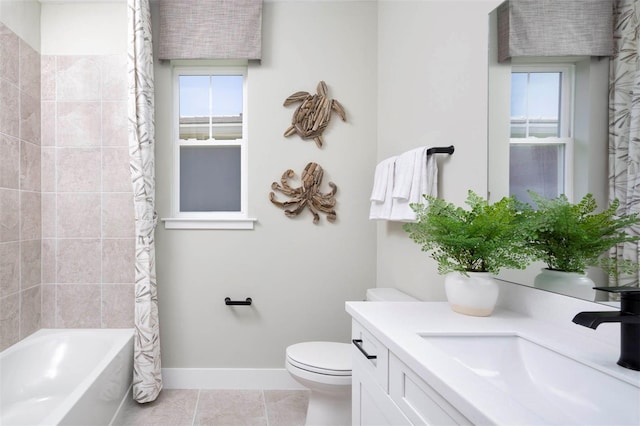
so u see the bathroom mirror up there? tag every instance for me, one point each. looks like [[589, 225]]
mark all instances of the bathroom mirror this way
[[585, 168]]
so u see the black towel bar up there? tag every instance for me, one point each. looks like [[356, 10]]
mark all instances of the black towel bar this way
[[441, 150], [247, 302]]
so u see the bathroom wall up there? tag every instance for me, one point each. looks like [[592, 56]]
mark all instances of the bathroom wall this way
[[432, 90], [20, 217], [408, 73], [87, 229], [298, 274]]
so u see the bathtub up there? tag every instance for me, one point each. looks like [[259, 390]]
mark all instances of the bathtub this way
[[66, 377]]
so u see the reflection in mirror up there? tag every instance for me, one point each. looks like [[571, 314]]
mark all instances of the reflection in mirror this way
[[548, 132]]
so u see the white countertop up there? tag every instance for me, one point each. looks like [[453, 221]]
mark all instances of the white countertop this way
[[399, 325]]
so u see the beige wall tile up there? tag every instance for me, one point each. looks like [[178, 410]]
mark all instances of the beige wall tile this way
[[9, 268], [9, 215], [49, 261], [78, 124], [78, 78], [30, 311], [49, 215], [114, 124], [117, 305], [9, 162], [48, 123], [9, 51], [48, 77], [78, 261], [30, 263], [116, 176], [9, 320], [9, 109], [114, 77], [30, 166], [231, 407], [78, 215], [78, 169], [78, 306], [118, 264], [29, 70], [30, 215], [48, 316], [48, 169], [117, 215], [30, 118]]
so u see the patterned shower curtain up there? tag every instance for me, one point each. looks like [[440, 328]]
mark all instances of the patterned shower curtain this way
[[147, 379], [624, 125]]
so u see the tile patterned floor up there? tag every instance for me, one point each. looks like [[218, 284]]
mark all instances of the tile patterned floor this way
[[177, 407]]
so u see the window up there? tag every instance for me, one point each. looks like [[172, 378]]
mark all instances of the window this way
[[210, 149], [541, 135]]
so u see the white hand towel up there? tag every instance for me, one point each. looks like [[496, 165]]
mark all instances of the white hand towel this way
[[424, 181], [380, 177], [404, 174], [381, 198]]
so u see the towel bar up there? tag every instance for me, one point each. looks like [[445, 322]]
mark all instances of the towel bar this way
[[441, 150], [247, 302]]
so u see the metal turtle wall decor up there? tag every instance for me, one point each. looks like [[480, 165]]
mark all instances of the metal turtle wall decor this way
[[313, 114], [307, 195]]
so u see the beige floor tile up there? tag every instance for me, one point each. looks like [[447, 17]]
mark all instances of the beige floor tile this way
[[286, 407], [231, 408], [174, 407]]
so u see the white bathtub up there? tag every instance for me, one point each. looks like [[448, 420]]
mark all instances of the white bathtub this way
[[66, 377]]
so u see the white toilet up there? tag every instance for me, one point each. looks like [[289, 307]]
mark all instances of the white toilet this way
[[325, 369]]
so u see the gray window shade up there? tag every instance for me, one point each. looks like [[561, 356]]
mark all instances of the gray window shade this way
[[539, 168], [555, 28], [210, 179], [210, 29]]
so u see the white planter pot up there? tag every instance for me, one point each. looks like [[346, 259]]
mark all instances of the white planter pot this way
[[475, 294], [567, 283]]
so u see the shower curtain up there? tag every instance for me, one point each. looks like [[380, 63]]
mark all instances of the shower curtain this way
[[624, 125], [147, 379]]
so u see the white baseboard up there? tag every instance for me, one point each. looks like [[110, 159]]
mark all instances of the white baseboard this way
[[228, 378]]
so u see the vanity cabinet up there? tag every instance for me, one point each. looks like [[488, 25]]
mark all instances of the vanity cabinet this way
[[387, 392]]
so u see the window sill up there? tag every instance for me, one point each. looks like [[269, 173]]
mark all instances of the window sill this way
[[196, 223]]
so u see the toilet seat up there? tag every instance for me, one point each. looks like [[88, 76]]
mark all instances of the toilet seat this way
[[327, 358]]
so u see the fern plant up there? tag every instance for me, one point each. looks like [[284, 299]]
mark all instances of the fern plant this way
[[483, 238], [570, 237]]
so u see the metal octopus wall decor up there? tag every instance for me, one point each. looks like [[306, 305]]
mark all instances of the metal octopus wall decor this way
[[313, 114], [307, 195]]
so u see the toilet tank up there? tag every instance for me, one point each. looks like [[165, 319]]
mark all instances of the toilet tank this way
[[383, 294]]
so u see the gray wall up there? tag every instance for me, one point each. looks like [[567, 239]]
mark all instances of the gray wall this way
[[409, 73], [432, 90], [298, 274]]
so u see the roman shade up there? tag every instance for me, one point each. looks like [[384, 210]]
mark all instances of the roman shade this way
[[555, 28], [210, 29]]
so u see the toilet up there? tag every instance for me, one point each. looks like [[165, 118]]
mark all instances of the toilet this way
[[325, 369]]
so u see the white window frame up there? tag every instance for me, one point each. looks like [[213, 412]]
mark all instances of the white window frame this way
[[567, 86], [208, 220]]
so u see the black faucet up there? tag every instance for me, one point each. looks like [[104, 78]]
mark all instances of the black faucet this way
[[629, 319]]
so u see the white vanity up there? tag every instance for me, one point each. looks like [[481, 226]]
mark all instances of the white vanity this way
[[533, 367]]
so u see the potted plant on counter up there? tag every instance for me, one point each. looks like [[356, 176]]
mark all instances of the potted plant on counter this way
[[571, 237], [470, 245]]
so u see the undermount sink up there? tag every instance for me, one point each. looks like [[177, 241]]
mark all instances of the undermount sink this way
[[555, 387]]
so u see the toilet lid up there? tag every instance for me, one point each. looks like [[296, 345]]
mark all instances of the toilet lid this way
[[321, 357]]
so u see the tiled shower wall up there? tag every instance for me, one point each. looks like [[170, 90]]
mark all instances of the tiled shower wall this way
[[87, 207], [66, 210], [20, 216]]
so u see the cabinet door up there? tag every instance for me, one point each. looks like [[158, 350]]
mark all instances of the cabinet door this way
[[419, 401], [371, 406], [378, 366]]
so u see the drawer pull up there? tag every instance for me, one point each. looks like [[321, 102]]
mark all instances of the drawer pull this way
[[358, 343]]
